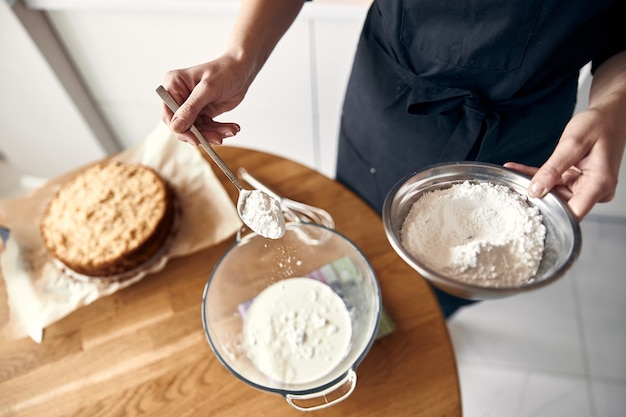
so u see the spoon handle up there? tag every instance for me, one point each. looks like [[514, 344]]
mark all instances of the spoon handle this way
[[173, 106]]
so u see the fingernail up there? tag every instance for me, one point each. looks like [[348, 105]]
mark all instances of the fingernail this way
[[178, 125], [229, 134], [536, 190]]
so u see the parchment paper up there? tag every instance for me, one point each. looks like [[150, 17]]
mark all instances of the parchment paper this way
[[40, 292]]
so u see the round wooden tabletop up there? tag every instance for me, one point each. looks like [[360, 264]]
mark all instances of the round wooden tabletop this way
[[142, 351]]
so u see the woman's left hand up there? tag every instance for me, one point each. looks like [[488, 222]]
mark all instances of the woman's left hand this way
[[584, 167]]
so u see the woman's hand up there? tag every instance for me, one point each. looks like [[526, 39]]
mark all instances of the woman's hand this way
[[207, 90], [584, 167], [204, 92]]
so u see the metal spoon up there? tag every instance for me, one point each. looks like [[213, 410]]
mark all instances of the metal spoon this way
[[293, 210], [258, 210]]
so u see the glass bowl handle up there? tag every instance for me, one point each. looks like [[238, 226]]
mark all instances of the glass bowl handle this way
[[330, 396]]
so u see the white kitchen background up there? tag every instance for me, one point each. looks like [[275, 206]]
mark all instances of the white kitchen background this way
[[121, 51], [77, 79]]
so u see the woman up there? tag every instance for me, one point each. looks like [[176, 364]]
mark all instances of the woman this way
[[436, 81]]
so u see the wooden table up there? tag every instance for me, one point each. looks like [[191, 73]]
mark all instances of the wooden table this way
[[142, 350]]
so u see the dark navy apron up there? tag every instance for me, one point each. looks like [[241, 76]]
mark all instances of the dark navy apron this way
[[441, 82]]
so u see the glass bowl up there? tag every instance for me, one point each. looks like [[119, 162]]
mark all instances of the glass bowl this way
[[253, 264], [562, 241]]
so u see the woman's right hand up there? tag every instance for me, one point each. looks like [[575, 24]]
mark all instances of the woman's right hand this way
[[204, 92], [207, 90]]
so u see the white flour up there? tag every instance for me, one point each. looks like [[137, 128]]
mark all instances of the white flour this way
[[483, 233], [297, 330], [263, 214]]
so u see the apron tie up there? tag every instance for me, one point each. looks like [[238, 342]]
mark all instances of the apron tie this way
[[426, 98], [434, 99]]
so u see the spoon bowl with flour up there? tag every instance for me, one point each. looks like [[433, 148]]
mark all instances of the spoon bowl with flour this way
[[261, 213], [258, 210]]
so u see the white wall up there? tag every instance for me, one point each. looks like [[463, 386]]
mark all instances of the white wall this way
[[123, 56], [121, 51], [42, 133], [292, 109]]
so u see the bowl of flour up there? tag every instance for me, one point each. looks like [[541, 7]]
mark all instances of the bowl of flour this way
[[470, 229], [293, 316]]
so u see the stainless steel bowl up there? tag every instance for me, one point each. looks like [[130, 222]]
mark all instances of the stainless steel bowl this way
[[563, 237]]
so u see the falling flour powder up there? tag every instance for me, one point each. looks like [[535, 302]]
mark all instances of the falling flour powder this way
[[482, 233]]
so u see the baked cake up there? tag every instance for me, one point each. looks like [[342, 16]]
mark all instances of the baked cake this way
[[109, 219]]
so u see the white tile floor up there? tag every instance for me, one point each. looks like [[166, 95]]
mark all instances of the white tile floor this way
[[556, 352]]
